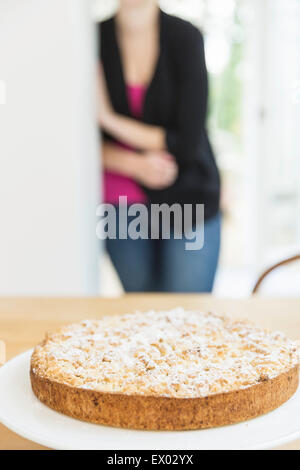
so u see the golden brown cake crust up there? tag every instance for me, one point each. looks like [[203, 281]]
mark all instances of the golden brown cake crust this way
[[166, 413]]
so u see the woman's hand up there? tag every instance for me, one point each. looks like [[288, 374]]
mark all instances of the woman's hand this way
[[105, 110], [156, 170]]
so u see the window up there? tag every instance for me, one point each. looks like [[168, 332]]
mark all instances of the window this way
[[253, 60]]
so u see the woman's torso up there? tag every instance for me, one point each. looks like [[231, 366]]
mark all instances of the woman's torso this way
[[198, 182]]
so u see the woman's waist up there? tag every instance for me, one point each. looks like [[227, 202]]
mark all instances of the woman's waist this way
[[116, 185]]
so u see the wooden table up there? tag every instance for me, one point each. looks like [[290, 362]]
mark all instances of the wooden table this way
[[23, 323]]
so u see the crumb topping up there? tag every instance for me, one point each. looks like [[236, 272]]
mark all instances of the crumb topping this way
[[177, 353]]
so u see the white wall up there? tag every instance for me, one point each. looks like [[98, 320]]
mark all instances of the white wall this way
[[48, 149]]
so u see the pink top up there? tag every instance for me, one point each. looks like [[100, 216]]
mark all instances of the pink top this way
[[115, 184]]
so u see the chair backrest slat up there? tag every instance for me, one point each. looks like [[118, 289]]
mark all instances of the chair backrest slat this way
[[272, 268]]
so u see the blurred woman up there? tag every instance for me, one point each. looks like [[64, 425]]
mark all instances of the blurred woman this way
[[153, 105]]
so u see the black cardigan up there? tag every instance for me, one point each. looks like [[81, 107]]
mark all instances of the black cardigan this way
[[176, 100]]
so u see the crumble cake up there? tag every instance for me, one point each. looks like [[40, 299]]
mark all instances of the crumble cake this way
[[169, 370]]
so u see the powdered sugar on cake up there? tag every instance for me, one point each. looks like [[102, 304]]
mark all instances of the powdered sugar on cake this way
[[176, 353]]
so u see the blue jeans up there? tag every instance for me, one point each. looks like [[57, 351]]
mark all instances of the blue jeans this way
[[165, 265]]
